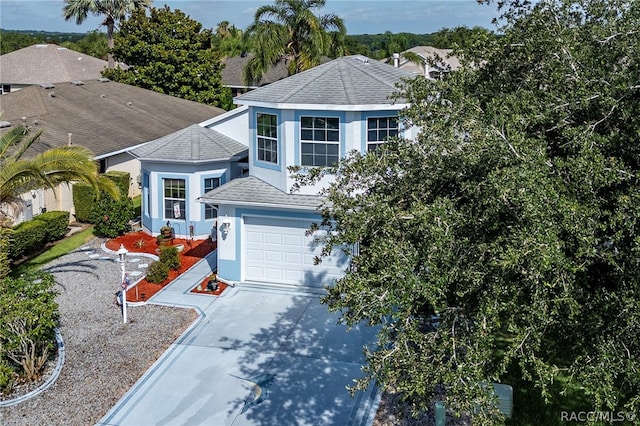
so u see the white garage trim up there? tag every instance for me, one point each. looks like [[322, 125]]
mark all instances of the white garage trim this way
[[276, 250]]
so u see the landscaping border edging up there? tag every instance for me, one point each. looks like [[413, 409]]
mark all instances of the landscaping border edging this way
[[51, 380]]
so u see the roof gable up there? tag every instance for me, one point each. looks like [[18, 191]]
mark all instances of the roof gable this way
[[193, 144], [251, 191], [48, 63], [349, 80]]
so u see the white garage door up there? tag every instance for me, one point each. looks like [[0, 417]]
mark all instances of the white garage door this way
[[278, 251]]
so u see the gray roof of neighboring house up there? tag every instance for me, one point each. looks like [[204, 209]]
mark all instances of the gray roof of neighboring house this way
[[251, 191], [444, 59], [349, 80], [195, 144], [232, 73], [48, 63], [103, 116]]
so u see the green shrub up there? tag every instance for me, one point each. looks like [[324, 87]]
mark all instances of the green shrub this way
[[157, 272], [122, 181], [169, 256], [110, 217], [6, 235], [7, 377], [27, 237], [29, 315], [84, 197], [57, 223]]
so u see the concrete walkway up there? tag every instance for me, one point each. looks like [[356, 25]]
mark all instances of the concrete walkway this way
[[258, 355]]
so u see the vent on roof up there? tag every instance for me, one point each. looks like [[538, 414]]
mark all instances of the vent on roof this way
[[77, 83], [4, 124], [41, 46], [362, 59], [47, 85], [103, 79], [62, 48], [52, 94]]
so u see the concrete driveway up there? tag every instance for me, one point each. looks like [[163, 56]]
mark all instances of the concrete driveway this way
[[260, 355]]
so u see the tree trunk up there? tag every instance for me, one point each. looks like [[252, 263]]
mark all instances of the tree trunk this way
[[110, 25]]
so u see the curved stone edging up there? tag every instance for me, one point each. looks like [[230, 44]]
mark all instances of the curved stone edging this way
[[137, 253], [51, 380]]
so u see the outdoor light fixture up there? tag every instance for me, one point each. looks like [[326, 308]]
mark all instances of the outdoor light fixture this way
[[225, 225], [122, 257]]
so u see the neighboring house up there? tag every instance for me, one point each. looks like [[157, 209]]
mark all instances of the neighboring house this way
[[233, 74], [182, 166], [310, 119], [46, 64], [104, 116], [434, 63]]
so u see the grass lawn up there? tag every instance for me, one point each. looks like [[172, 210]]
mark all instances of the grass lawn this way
[[137, 205], [59, 249]]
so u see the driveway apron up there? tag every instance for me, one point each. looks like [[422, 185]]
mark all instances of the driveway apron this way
[[258, 355]]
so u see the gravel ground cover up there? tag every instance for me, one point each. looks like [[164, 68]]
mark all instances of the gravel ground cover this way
[[103, 356]]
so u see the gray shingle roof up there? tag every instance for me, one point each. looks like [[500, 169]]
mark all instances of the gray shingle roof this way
[[48, 63], [234, 67], [447, 61], [193, 144], [349, 80], [251, 191], [105, 117]]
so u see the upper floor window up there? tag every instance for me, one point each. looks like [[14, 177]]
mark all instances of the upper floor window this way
[[174, 197], [210, 212], [267, 138], [320, 141], [379, 130]]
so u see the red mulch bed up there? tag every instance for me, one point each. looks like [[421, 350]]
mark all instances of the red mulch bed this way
[[203, 288], [194, 250]]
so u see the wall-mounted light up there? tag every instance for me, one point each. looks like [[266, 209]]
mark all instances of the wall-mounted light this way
[[33, 194], [225, 225]]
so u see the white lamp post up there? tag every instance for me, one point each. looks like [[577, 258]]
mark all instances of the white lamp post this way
[[122, 257]]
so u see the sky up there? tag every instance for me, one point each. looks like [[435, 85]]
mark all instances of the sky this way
[[360, 16]]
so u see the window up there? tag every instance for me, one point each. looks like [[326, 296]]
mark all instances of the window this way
[[320, 141], [379, 130], [174, 198], [146, 192], [267, 138], [210, 212]]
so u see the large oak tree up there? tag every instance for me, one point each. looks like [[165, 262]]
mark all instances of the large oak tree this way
[[170, 53], [508, 234]]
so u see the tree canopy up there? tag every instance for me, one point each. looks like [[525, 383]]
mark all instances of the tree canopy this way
[[113, 11], [506, 236], [289, 30], [170, 53]]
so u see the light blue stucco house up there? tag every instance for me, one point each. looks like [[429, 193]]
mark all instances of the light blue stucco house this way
[[228, 177], [310, 119], [179, 167]]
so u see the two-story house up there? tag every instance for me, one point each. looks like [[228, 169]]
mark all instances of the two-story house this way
[[310, 119]]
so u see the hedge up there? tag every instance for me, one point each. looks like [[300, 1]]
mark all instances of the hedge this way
[[57, 224]]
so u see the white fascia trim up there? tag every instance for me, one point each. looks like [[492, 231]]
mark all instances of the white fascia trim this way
[[224, 116], [121, 151], [326, 107], [254, 204]]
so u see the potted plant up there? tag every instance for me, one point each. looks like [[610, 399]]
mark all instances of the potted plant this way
[[166, 231]]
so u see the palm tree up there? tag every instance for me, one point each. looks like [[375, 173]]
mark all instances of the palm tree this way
[[114, 10], [48, 169], [289, 30]]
